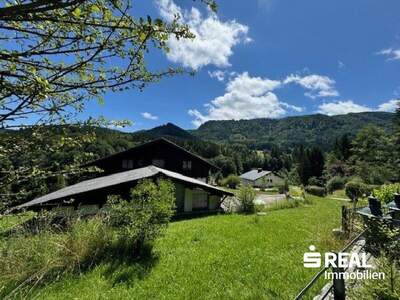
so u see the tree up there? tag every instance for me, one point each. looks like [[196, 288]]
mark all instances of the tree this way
[[317, 162], [397, 140], [304, 168], [226, 164], [373, 155], [342, 147], [57, 55]]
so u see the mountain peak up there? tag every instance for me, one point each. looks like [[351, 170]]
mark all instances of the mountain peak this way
[[169, 130]]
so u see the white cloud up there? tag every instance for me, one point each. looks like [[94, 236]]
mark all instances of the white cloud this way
[[390, 105], [341, 108], [218, 74], [149, 116], [245, 97], [214, 38], [392, 54], [341, 65], [318, 86]]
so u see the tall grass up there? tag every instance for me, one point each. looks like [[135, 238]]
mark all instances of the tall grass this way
[[286, 204], [28, 260], [52, 246]]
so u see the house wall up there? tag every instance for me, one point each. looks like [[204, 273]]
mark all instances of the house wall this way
[[161, 154], [196, 198], [90, 202], [268, 181]]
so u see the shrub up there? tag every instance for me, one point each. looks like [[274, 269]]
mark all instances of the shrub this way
[[385, 193], [335, 183], [140, 221], [316, 190], [246, 197], [315, 181], [355, 190], [126, 228], [232, 181]]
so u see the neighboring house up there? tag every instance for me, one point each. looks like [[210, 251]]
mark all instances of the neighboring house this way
[[261, 178], [161, 153], [122, 171], [191, 194]]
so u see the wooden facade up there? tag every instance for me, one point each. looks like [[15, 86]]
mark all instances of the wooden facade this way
[[161, 153]]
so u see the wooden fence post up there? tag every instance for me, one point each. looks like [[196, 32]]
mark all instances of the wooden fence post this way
[[345, 220]]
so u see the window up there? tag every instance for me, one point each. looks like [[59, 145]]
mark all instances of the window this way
[[187, 165], [127, 164], [199, 200]]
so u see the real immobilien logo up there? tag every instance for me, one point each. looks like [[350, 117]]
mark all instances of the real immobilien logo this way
[[341, 261]]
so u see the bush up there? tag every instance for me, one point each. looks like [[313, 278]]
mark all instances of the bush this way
[[140, 221], [123, 230], [316, 190], [385, 193], [355, 189], [246, 197], [316, 181], [335, 183], [232, 181]]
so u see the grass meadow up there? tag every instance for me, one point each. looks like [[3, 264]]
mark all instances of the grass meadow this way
[[223, 256]]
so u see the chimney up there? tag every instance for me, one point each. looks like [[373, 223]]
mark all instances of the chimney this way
[[375, 206], [259, 170]]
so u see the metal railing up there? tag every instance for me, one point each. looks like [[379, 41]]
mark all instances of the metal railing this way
[[301, 294]]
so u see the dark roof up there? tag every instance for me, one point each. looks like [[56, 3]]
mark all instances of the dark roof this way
[[254, 174], [153, 142], [118, 178]]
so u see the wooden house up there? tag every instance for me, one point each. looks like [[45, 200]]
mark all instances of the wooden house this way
[[161, 153], [158, 159], [261, 179]]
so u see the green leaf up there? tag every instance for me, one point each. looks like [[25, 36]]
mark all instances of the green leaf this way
[[76, 12]]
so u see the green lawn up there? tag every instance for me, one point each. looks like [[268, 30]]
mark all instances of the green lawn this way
[[224, 256], [340, 194]]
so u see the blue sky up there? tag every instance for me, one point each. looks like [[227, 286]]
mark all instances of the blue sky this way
[[269, 58]]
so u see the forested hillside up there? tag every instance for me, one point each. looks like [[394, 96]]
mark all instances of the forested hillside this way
[[234, 146], [313, 130]]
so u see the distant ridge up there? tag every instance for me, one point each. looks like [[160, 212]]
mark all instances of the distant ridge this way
[[310, 130]]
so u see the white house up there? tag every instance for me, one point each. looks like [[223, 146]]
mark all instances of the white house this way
[[261, 178]]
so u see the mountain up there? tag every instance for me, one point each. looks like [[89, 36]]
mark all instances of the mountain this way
[[287, 132], [168, 130]]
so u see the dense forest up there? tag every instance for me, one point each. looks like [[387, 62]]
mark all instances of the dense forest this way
[[306, 150], [312, 130]]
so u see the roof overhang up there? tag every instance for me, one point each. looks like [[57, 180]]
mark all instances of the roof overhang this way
[[118, 179]]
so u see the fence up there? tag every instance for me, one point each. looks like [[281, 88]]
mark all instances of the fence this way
[[338, 285]]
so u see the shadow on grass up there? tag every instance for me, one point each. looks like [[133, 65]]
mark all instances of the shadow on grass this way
[[129, 269]]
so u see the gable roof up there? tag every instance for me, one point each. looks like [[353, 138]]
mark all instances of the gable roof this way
[[116, 179], [154, 143], [254, 174]]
